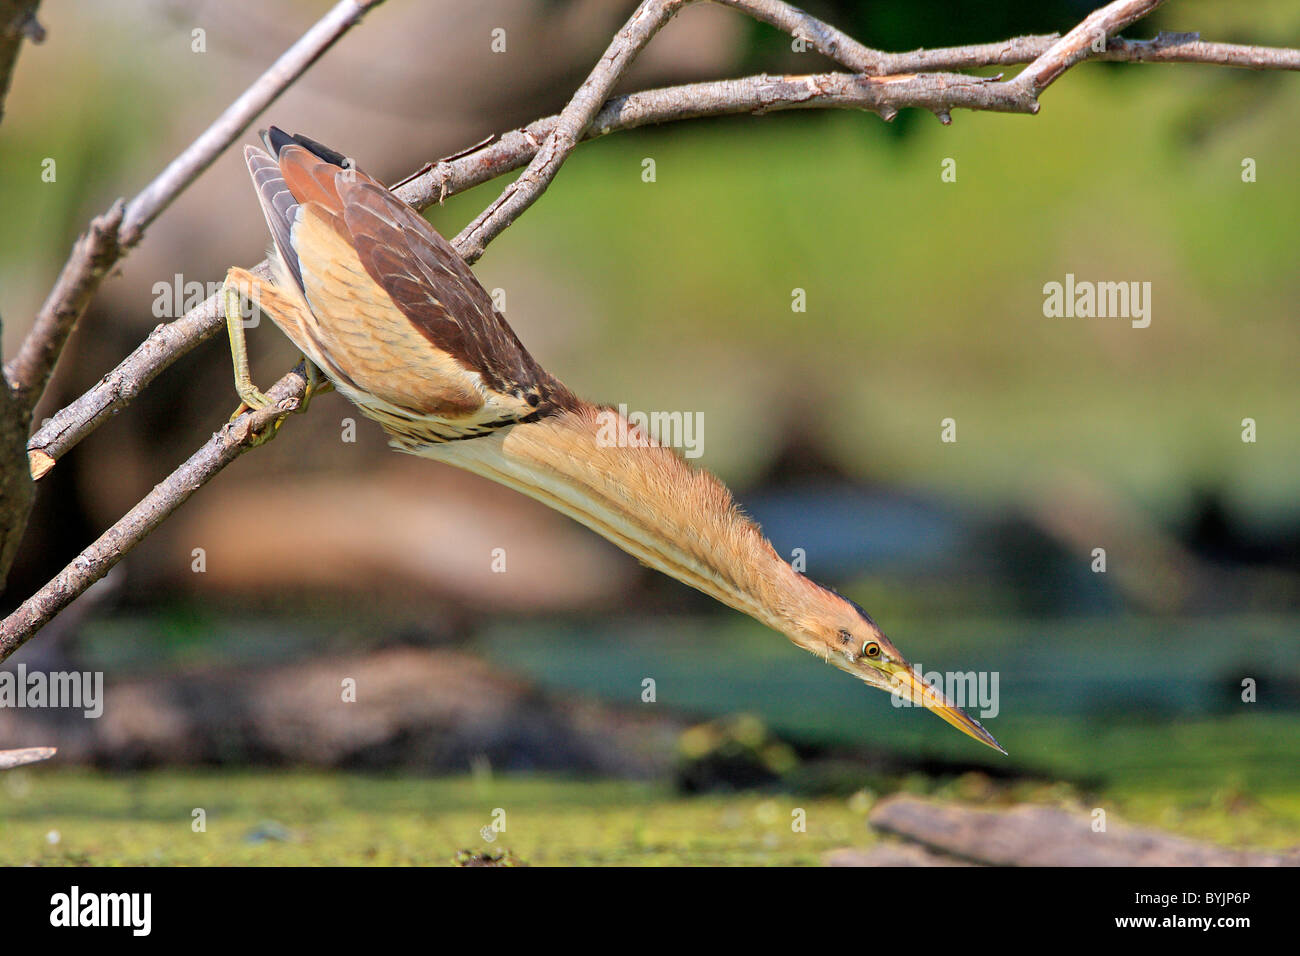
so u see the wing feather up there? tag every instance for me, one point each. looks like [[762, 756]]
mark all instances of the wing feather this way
[[434, 287], [397, 318], [278, 205]]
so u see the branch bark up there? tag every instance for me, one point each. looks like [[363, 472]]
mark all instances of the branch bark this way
[[882, 83], [822, 37], [17, 486], [17, 23], [1088, 37], [848, 52]]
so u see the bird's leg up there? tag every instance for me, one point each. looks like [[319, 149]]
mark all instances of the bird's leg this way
[[236, 284], [241, 284], [316, 382]]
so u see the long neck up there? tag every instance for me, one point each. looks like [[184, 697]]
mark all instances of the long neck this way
[[592, 465]]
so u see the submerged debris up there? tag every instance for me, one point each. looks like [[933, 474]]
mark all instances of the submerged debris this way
[[487, 858]]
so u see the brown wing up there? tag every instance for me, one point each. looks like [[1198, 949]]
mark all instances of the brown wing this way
[[397, 318], [435, 289]]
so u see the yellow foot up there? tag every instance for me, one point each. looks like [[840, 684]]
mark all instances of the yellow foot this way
[[267, 432], [316, 382]]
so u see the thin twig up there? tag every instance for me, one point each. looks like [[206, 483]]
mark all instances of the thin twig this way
[[1189, 48], [1164, 48], [822, 37], [164, 345], [1086, 39], [17, 758], [93, 255], [848, 52], [645, 22]]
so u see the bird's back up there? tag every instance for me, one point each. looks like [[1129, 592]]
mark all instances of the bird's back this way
[[393, 315]]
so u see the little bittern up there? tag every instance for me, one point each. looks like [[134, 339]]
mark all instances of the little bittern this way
[[393, 317]]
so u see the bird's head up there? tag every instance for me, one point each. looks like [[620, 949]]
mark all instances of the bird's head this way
[[840, 631]]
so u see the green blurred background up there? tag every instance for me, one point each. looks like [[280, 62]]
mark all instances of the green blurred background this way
[[924, 302]]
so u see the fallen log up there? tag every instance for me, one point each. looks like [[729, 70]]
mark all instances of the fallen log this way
[[432, 710], [1033, 835]]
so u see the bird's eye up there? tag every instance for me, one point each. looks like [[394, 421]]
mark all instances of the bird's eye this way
[[871, 649]]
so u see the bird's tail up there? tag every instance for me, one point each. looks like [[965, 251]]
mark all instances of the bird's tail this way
[[277, 139]]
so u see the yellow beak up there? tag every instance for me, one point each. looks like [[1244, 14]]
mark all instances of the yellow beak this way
[[911, 687]]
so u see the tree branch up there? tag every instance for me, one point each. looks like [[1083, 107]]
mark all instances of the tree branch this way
[[848, 52], [111, 235], [1188, 48], [822, 37], [572, 122], [95, 561], [164, 345], [884, 84], [17, 23], [1087, 38], [93, 255], [108, 239], [1164, 48], [17, 758]]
